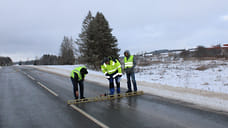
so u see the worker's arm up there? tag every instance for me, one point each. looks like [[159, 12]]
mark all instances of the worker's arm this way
[[119, 67], [103, 69], [76, 76]]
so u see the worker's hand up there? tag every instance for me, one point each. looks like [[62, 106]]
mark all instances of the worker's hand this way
[[76, 93], [107, 75]]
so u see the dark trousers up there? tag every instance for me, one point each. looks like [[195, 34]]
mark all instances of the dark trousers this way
[[111, 84], [131, 77], [75, 87]]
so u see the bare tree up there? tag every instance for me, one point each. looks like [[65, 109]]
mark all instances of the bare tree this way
[[67, 51]]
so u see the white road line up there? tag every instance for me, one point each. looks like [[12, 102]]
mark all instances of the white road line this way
[[31, 77], [24, 72], [90, 117], [52, 92]]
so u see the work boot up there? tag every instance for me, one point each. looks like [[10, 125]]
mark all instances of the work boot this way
[[128, 91], [82, 97]]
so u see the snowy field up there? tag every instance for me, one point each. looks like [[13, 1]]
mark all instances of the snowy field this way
[[200, 82], [204, 75]]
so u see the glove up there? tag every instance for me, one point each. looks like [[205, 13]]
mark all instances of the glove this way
[[119, 74], [107, 75]]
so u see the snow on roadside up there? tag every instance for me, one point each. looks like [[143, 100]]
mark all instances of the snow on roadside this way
[[181, 81], [184, 74]]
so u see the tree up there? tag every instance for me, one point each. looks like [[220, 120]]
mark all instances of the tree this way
[[47, 59], [82, 41], [99, 42], [67, 51], [5, 61]]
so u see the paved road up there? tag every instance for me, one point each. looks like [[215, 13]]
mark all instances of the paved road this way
[[32, 98]]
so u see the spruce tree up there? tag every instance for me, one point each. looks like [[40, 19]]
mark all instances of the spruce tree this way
[[82, 49], [101, 42], [96, 40]]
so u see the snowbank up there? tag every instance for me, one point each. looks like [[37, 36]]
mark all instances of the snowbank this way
[[204, 75], [180, 82]]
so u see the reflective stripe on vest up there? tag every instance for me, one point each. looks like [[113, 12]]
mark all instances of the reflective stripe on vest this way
[[110, 68], [128, 62]]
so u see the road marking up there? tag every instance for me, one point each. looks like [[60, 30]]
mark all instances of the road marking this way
[[31, 77], [24, 72], [90, 117], [52, 92]]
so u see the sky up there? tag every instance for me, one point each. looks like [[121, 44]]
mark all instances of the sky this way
[[31, 28]]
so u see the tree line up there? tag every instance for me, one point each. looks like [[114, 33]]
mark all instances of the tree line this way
[[5, 61], [202, 52]]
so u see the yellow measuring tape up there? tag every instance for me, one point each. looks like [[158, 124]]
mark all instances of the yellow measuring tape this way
[[102, 98]]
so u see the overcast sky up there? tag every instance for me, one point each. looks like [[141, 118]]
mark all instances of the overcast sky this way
[[31, 28]]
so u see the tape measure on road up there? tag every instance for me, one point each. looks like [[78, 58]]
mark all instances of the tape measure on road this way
[[102, 98]]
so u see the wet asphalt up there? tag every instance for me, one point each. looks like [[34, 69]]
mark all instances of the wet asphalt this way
[[25, 104]]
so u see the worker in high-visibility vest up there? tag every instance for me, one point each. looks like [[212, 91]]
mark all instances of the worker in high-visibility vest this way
[[129, 66], [77, 78], [112, 70]]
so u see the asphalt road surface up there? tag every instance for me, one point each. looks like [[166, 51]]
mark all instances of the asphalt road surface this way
[[33, 98]]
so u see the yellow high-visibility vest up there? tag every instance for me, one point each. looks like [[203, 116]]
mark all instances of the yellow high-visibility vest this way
[[128, 62], [77, 70], [112, 67]]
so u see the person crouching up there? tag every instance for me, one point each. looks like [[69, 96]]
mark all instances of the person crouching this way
[[77, 78], [112, 70]]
